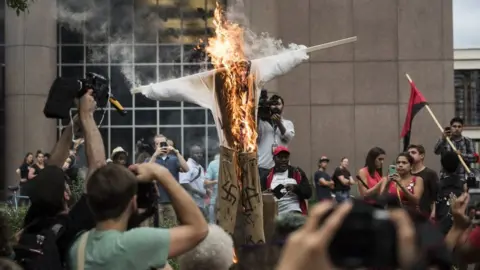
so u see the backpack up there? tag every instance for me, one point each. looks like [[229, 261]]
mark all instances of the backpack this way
[[37, 247]]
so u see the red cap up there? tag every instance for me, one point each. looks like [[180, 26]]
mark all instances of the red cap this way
[[280, 149]]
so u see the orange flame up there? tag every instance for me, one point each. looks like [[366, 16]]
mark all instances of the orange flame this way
[[235, 259], [226, 50]]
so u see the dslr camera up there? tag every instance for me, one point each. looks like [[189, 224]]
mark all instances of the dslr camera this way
[[265, 111], [64, 91]]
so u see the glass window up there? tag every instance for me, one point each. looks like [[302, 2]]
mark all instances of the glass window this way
[[191, 54], [72, 72], [68, 36], [146, 22], [170, 117], [174, 134], [121, 54], [96, 31], [119, 84], [143, 117], [72, 54], [145, 75], [101, 117], [194, 117], [101, 70], [210, 118], [212, 143], [122, 137], [168, 72], [121, 20], [145, 54], [97, 54], [467, 96], [121, 120], [169, 54]]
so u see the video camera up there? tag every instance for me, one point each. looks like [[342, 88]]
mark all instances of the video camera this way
[[265, 111], [64, 91]]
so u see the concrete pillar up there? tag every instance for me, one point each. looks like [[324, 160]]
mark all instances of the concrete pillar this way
[[30, 61]]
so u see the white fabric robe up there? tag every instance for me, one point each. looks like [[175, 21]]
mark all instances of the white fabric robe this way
[[200, 88]]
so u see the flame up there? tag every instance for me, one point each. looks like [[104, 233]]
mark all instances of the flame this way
[[226, 50], [235, 259]]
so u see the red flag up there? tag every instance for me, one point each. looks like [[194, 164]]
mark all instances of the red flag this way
[[415, 104]]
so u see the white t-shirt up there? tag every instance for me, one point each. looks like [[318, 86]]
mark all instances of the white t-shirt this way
[[289, 202], [196, 178]]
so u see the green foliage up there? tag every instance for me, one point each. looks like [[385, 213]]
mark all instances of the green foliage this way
[[19, 5], [14, 218]]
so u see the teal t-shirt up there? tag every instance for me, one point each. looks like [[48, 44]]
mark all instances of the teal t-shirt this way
[[140, 248], [212, 174]]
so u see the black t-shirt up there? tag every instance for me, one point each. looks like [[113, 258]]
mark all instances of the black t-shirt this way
[[430, 189], [36, 169], [78, 219], [323, 192], [24, 171], [338, 185]]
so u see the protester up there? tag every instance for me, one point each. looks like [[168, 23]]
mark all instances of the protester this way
[[37, 166], [215, 252], [323, 181], [277, 131], [343, 180], [49, 193], [408, 189], [173, 160], [289, 185], [120, 156], [464, 145], [430, 180], [194, 180], [449, 184], [112, 198], [211, 182], [371, 176]]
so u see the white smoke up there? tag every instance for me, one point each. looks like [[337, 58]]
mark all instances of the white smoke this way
[[257, 45]]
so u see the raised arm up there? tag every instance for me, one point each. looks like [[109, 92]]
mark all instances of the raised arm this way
[[60, 151], [267, 68], [193, 88], [95, 151]]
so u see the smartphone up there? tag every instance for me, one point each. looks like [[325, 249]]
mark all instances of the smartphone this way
[[392, 169], [474, 205], [163, 144]]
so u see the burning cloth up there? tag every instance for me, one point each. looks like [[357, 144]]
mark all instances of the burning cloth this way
[[231, 93]]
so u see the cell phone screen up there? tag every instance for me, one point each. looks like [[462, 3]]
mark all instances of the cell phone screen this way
[[392, 169]]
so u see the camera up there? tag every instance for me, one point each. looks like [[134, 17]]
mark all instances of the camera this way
[[64, 91], [367, 238], [147, 202]]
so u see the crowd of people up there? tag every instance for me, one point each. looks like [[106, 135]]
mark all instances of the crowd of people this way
[[107, 227]]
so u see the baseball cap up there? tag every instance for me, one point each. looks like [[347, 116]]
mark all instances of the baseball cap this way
[[324, 158], [280, 149]]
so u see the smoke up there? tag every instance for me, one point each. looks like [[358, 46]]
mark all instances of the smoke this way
[[257, 45], [115, 23]]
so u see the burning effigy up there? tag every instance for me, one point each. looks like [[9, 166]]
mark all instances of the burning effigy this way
[[231, 92]]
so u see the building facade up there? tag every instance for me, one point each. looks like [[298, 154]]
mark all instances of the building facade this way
[[343, 101]]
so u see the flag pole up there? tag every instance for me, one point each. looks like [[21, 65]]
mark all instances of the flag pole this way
[[441, 129]]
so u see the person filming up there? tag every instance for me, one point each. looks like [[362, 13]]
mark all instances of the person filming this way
[[273, 131]]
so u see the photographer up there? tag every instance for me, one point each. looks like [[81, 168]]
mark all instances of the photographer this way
[[273, 130], [112, 198], [48, 214]]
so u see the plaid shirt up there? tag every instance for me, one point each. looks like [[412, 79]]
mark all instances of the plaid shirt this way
[[465, 146]]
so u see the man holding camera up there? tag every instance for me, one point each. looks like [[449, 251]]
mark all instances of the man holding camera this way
[[112, 197], [171, 159], [464, 145], [273, 131]]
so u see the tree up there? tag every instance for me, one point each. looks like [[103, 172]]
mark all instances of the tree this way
[[19, 5]]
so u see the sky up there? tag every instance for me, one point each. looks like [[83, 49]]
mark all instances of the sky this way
[[466, 23]]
